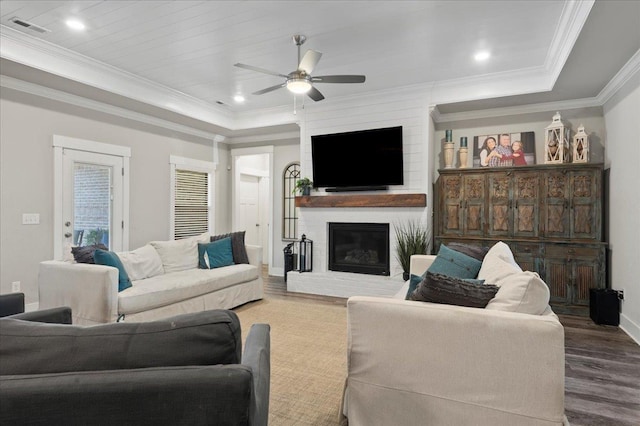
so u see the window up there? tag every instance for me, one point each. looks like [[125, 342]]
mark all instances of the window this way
[[192, 197], [290, 176]]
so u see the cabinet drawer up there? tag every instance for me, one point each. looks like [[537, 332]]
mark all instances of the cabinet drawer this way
[[525, 248], [572, 251]]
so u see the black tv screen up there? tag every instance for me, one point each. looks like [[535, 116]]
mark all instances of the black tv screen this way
[[358, 159]]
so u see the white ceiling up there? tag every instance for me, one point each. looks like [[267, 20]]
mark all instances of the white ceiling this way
[[188, 48]]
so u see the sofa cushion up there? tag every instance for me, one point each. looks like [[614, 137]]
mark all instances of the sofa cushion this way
[[84, 254], [163, 290], [237, 246], [520, 291], [178, 255], [454, 264], [215, 254], [497, 264], [438, 288], [523, 292], [141, 263], [414, 281], [109, 258], [203, 338]]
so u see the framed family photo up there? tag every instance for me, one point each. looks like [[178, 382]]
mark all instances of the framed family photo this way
[[504, 149]]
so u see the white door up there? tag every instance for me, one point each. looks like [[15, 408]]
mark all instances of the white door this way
[[249, 205], [92, 200]]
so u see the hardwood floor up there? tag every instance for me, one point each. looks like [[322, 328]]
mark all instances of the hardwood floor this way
[[602, 373]]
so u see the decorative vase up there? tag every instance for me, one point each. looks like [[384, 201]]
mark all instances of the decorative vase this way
[[463, 157], [448, 155], [306, 190]]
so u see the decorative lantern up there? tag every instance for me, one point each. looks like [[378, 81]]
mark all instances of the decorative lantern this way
[[581, 146], [305, 254], [556, 148]]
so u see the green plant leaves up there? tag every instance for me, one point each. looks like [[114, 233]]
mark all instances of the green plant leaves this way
[[411, 238]]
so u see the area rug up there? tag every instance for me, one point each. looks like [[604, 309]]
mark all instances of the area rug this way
[[308, 358]]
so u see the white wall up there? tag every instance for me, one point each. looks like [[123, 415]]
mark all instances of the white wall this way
[[28, 124], [622, 118], [376, 111]]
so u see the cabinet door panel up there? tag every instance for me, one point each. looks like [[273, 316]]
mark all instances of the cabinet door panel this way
[[452, 201], [585, 203], [473, 205], [556, 205], [526, 195], [557, 273], [499, 221]]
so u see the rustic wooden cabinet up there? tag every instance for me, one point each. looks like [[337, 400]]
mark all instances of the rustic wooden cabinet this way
[[550, 216]]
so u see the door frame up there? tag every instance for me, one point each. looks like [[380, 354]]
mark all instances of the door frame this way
[[235, 154], [60, 143]]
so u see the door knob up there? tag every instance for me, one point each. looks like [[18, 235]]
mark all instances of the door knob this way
[[67, 224], [67, 234]]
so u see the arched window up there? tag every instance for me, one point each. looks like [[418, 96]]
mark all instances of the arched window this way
[[290, 176]]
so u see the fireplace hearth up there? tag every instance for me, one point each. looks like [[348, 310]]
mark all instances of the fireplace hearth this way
[[361, 248]]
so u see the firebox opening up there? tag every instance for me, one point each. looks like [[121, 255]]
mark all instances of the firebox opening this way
[[361, 248]]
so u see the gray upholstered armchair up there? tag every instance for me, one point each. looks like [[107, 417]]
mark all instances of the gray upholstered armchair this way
[[186, 370]]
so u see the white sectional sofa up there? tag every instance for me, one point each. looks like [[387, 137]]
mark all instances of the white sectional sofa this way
[[414, 362], [164, 284]]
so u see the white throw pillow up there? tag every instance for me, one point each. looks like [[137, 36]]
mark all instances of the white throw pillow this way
[[178, 255], [497, 264], [142, 263], [522, 292]]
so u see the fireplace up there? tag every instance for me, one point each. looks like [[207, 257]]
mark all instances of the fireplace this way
[[362, 248]]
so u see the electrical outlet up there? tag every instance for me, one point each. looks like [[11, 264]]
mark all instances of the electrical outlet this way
[[15, 287], [30, 218]]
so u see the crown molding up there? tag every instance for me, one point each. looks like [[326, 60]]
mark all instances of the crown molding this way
[[57, 95], [626, 72], [43, 55], [273, 137], [516, 110], [572, 19]]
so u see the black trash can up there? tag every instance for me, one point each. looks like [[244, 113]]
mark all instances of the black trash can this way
[[604, 306]]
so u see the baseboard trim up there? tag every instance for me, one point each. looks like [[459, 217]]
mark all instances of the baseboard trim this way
[[276, 271], [630, 327]]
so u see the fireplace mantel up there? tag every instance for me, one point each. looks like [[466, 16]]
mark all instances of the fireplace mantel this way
[[360, 200]]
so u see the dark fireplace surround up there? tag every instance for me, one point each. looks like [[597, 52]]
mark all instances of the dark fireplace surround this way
[[361, 248]]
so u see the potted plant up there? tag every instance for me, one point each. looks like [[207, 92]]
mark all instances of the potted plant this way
[[411, 238], [303, 186]]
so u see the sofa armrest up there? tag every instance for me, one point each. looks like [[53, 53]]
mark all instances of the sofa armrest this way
[[60, 315], [255, 255], [257, 356], [191, 395], [91, 291], [420, 263], [456, 360]]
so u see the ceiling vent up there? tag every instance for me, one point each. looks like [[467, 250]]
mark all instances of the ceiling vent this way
[[29, 25]]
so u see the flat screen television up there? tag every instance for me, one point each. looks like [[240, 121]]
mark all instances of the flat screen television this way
[[358, 160]]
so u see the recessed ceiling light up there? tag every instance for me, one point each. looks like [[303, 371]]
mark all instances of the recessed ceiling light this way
[[482, 55], [238, 98], [74, 24]]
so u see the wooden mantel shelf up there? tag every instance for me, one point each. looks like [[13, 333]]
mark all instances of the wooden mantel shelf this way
[[373, 200]]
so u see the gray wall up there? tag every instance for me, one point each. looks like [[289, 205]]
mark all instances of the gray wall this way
[[26, 178], [622, 116]]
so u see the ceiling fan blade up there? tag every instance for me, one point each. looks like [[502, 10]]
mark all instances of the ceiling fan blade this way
[[339, 79], [269, 89], [309, 61], [315, 94], [262, 70]]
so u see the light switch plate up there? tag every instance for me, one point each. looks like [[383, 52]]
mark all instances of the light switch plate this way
[[30, 218]]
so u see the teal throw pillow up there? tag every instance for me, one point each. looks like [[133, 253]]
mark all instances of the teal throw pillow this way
[[414, 280], [109, 258], [473, 281], [455, 264], [218, 253]]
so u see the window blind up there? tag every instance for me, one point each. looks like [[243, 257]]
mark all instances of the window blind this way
[[191, 215]]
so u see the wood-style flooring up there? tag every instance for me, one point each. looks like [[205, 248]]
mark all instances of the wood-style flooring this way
[[602, 373]]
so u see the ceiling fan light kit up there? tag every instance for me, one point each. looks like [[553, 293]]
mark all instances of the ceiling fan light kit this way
[[300, 81]]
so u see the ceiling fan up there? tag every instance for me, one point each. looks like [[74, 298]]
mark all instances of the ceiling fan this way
[[300, 81]]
